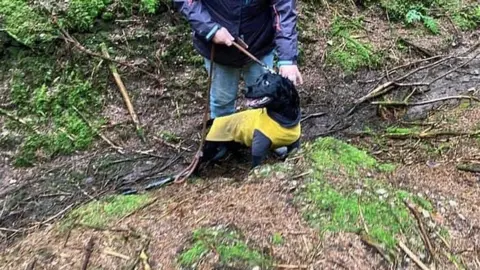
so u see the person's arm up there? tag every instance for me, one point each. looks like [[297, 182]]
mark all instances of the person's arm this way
[[198, 17], [286, 38]]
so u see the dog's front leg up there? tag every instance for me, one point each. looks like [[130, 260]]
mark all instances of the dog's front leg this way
[[260, 146]]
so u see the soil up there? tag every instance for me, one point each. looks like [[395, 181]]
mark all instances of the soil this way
[[35, 197]]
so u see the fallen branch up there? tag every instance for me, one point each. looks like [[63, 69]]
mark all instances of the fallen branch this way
[[88, 253], [423, 232], [429, 135], [124, 92], [412, 256], [388, 86], [405, 103], [69, 39]]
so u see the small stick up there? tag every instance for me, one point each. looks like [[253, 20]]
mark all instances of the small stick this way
[[108, 141], [58, 214], [412, 256], [313, 115], [362, 218], [404, 103], [116, 254], [88, 253], [123, 90], [423, 232]]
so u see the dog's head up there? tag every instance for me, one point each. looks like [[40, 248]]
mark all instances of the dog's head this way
[[272, 91]]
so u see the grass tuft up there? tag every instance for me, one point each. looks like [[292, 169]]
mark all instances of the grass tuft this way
[[99, 213], [227, 243]]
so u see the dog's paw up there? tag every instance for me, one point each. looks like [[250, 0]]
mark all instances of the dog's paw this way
[[281, 153]]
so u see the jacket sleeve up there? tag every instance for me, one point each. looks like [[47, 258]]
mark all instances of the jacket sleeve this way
[[286, 37], [198, 17]]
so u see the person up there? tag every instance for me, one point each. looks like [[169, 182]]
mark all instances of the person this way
[[267, 27]]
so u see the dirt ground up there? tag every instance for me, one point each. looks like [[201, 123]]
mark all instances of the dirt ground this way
[[258, 208]]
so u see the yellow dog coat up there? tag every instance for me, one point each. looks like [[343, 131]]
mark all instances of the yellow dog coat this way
[[240, 127]]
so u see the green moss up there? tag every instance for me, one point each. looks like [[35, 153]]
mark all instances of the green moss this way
[[277, 239], [24, 23], [330, 154], [54, 103], [227, 244], [100, 213], [356, 200], [81, 14], [347, 50]]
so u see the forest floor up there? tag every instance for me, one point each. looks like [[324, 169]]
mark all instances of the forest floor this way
[[391, 183]]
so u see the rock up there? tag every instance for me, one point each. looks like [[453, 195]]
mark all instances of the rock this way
[[256, 268]]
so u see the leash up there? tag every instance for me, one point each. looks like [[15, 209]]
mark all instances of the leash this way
[[185, 173], [242, 49]]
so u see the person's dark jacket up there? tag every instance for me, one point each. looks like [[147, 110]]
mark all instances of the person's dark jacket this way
[[264, 25]]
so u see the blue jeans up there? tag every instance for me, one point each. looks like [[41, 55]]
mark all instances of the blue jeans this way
[[225, 83]]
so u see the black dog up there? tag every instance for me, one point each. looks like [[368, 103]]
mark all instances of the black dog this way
[[272, 122]]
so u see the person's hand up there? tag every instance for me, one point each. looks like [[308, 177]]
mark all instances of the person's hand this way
[[222, 36], [291, 72]]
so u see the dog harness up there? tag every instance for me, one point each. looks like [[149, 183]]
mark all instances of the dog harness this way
[[240, 127]]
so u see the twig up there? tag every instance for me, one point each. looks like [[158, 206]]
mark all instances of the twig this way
[[369, 242], [313, 115], [88, 253], [31, 265], [176, 147], [108, 141], [68, 38], [405, 103], [123, 90], [362, 218], [423, 232], [115, 254], [412, 256], [57, 215], [17, 119], [144, 258], [137, 210]]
